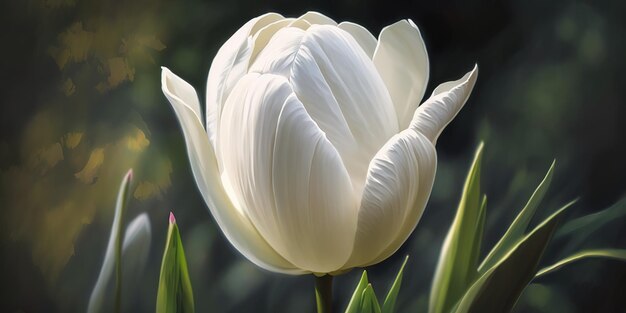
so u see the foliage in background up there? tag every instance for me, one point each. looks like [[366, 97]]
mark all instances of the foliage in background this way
[[462, 284], [364, 298], [81, 129], [126, 256]]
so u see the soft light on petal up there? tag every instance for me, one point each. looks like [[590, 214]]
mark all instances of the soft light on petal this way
[[263, 36], [315, 203], [236, 227], [247, 148], [231, 63], [278, 55], [398, 185], [366, 40], [289, 178], [446, 101], [317, 18], [402, 62], [183, 92], [344, 95]]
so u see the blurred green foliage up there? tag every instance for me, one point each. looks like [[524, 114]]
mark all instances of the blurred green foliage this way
[[82, 104]]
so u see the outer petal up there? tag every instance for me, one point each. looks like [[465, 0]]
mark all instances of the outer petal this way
[[366, 40], [230, 64], [402, 62], [246, 148], [288, 177], [316, 206], [398, 185], [444, 104], [236, 227]]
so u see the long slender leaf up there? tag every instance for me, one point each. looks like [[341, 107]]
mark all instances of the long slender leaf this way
[[617, 254], [369, 303], [579, 230], [354, 306], [113, 252], [389, 305], [454, 271], [518, 228], [498, 289], [175, 294], [478, 234], [135, 250]]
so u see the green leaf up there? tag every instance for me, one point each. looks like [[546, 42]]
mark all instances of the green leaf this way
[[369, 303], [390, 300], [498, 289], [354, 306], [112, 257], [455, 270], [175, 294], [518, 228], [617, 254], [580, 229], [478, 234]]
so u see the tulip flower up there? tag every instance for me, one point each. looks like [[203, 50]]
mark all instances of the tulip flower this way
[[315, 156]]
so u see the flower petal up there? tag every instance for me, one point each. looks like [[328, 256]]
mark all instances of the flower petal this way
[[289, 179], [315, 203], [402, 62], [444, 104], [229, 64], [277, 56], [398, 185], [345, 96], [247, 133], [263, 36], [236, 227], [183, 91], [317, 18], [366, 40]]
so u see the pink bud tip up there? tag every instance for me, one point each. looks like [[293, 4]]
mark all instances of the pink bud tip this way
[[172, 218], [129, 174]]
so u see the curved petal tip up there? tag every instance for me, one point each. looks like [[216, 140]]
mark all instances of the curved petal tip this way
[[444, 104]]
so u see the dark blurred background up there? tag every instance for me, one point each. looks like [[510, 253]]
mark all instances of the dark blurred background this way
[[82, 103]]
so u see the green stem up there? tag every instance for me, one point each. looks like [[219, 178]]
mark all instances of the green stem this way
[[118, 272], [324, 293]]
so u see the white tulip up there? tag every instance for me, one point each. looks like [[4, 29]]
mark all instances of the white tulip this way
[[315, 157]]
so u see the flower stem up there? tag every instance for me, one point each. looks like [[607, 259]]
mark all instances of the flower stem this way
[[324, 293]]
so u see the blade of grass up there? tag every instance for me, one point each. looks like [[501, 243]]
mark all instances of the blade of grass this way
[[175, 294], [369, 302], [112, 256], [454, 271], [354, 306], [499, 288], [390, 300], [617, 254], [518, 228]]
